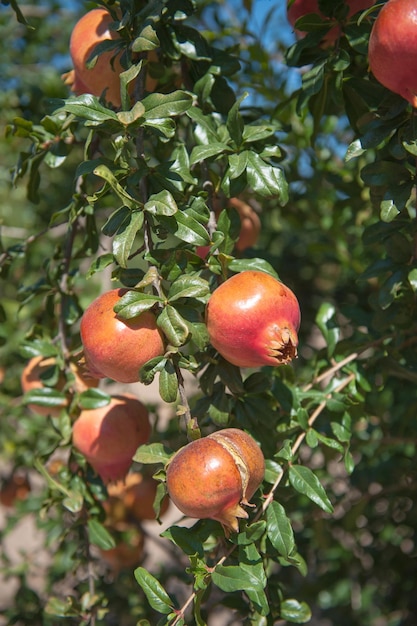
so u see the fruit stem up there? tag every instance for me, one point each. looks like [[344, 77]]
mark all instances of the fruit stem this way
[[190, 422]]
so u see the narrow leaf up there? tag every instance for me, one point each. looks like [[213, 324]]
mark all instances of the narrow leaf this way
[[306, 482], [173, 326], [99, 535], [279, 529], [154, 591], [153, 453]]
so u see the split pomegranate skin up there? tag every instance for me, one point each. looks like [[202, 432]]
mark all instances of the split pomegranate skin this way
[[212, 477], [253, 319], [392, 48]]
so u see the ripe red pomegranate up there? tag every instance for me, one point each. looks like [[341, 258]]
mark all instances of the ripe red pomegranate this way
[[31, 378], [114, 347], [15, 487], [252, 320], [393, 48], [109, 436], [93, 28], [133, 499], [128, 553], [299, 8], [214, 476]]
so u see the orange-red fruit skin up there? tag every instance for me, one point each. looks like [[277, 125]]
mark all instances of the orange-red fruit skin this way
[[90, 30], [109, 436], [392, 48], [31, 379], [104, 77], [209, 478], [116, 348], [299, 8], [253, 319]]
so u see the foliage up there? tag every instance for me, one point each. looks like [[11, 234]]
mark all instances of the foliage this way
[[103, 197]]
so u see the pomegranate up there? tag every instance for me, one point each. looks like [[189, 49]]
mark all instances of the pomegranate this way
[[93, 28], [250, 226], [114, 347], [393, 48], [31, 378], [214, 476], [15, 487], [133, 499], [109, 436], [252, 320], [299, 8], [127, 553]]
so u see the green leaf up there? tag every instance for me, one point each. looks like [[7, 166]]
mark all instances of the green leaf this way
[[186, 228], [279, 529], [154, 591], [294, 611], [162, 203], [151, 368], [151, 453], [326, 323], [104, 172], [265, 179], [173, 326], [234, 123], [133, 303], [124, 240], [61, 608], [412, 279], [168, 383], [93, 399], [88, 107], [241, 265], [189, 542], [159, 106], [100, 263], [246, 577], [238, 164], [304, 481], [45, 396], [99, 536], [201, 153], [189, 286]]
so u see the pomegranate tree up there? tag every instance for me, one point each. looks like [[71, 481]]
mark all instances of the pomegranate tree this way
[[109, 436], [114, 347], [252, 320], [212, 477], [393, 48]]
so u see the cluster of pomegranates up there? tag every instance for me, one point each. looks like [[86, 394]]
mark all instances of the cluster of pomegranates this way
[[252, 320]]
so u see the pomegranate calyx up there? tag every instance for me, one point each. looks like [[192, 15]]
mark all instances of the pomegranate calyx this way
[[229, 519], [283, 346]]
